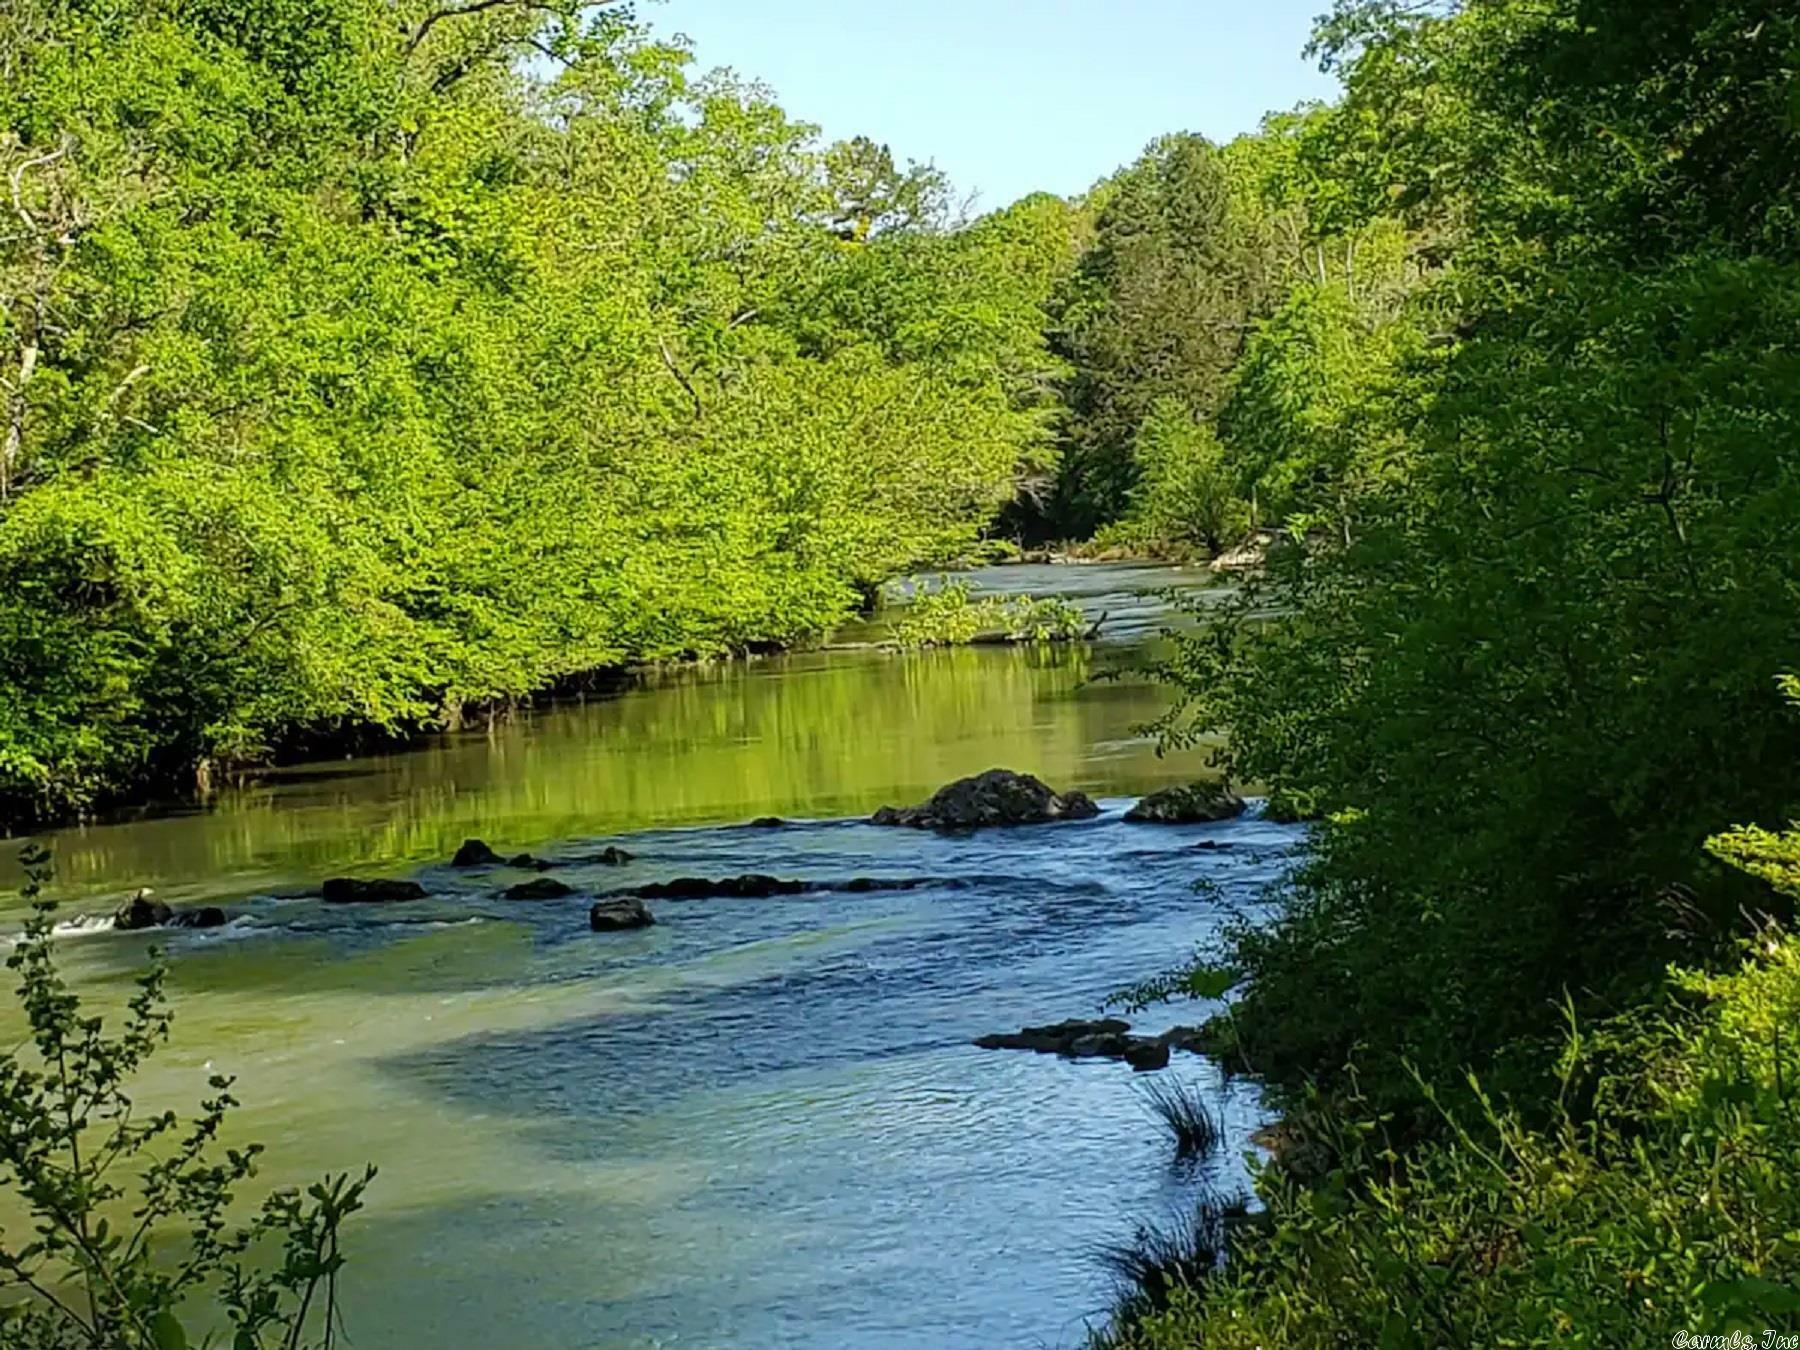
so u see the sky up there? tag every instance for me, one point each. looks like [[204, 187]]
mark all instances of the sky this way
[[1012, 96]]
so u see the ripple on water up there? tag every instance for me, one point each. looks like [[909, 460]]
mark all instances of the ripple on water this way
[[832, 1162]]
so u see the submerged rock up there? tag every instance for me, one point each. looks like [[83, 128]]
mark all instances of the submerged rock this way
[[544, 888], [475, 853], [751, 886], [612, 916], [207, 916], [526, 863], [997, 797], [768, 823], [353, 891], [1193, 804], [608, 857], [862, 885], [141, 910]]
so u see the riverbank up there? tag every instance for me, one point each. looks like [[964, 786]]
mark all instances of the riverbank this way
[[1125, 594]]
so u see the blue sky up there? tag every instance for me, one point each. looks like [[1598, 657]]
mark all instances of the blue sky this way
[[1012, 96]]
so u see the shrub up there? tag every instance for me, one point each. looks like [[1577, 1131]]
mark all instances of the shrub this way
[[952, 616], [107, 1267], [1656, 1193]]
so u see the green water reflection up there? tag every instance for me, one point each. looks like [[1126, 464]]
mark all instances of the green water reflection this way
[[809, 734]]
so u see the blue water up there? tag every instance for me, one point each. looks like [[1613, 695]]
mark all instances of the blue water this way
[[812, 1153]]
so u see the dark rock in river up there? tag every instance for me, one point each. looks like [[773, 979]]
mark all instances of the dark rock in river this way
[[607, 857], [768, 823], [475, 853], [863, 885], [526, 863], [207, 916], [612, 916], [1111, 1045], [1058, 1038], [544, 888], [752, 886], [351, 891], [1144, 1053], [1185, 1038], [1099, 1038], [142, 910], [997, 797], [1194, 804]]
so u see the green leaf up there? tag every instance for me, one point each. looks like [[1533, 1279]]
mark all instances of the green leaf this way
[[1752, 1291], [166, 1332]]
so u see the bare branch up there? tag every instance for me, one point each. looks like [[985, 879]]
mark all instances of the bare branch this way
[[675, 370], [17, 178], [432, 19]]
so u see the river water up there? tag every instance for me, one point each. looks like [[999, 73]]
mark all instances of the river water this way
[[760, 1122]]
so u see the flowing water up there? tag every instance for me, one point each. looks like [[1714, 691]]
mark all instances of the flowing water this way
[[760, 1122]]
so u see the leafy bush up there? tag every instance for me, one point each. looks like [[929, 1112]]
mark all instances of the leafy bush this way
[[951, 615], [1659, 1194], [131, 1217]]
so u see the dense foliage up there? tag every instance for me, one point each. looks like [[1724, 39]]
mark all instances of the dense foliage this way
[[950, 614], [125, 1220], [363, 361], [1522, 654]]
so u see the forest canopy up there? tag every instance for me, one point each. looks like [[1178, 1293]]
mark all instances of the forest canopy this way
[[367, 361]]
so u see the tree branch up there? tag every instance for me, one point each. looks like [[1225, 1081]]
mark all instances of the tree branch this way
[[675, 370]]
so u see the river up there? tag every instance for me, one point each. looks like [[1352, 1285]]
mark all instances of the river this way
[[760, 1122]]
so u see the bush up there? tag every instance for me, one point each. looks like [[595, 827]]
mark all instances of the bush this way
[[107, 1267], [950, 616], [1654, 1191], [1659, 1195]]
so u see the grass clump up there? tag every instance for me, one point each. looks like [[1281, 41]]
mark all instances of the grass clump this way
[[1161, 1264], [1182, 1108]]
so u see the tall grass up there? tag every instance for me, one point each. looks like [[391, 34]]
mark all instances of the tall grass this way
[[1181, 1107], [1159, 1262]]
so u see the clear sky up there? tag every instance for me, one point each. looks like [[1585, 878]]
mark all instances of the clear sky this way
[[1012, 96]]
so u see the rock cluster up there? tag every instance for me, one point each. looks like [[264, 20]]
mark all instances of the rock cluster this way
[[477, 853], [143, 910], [1096, 1038], [380, 891]]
